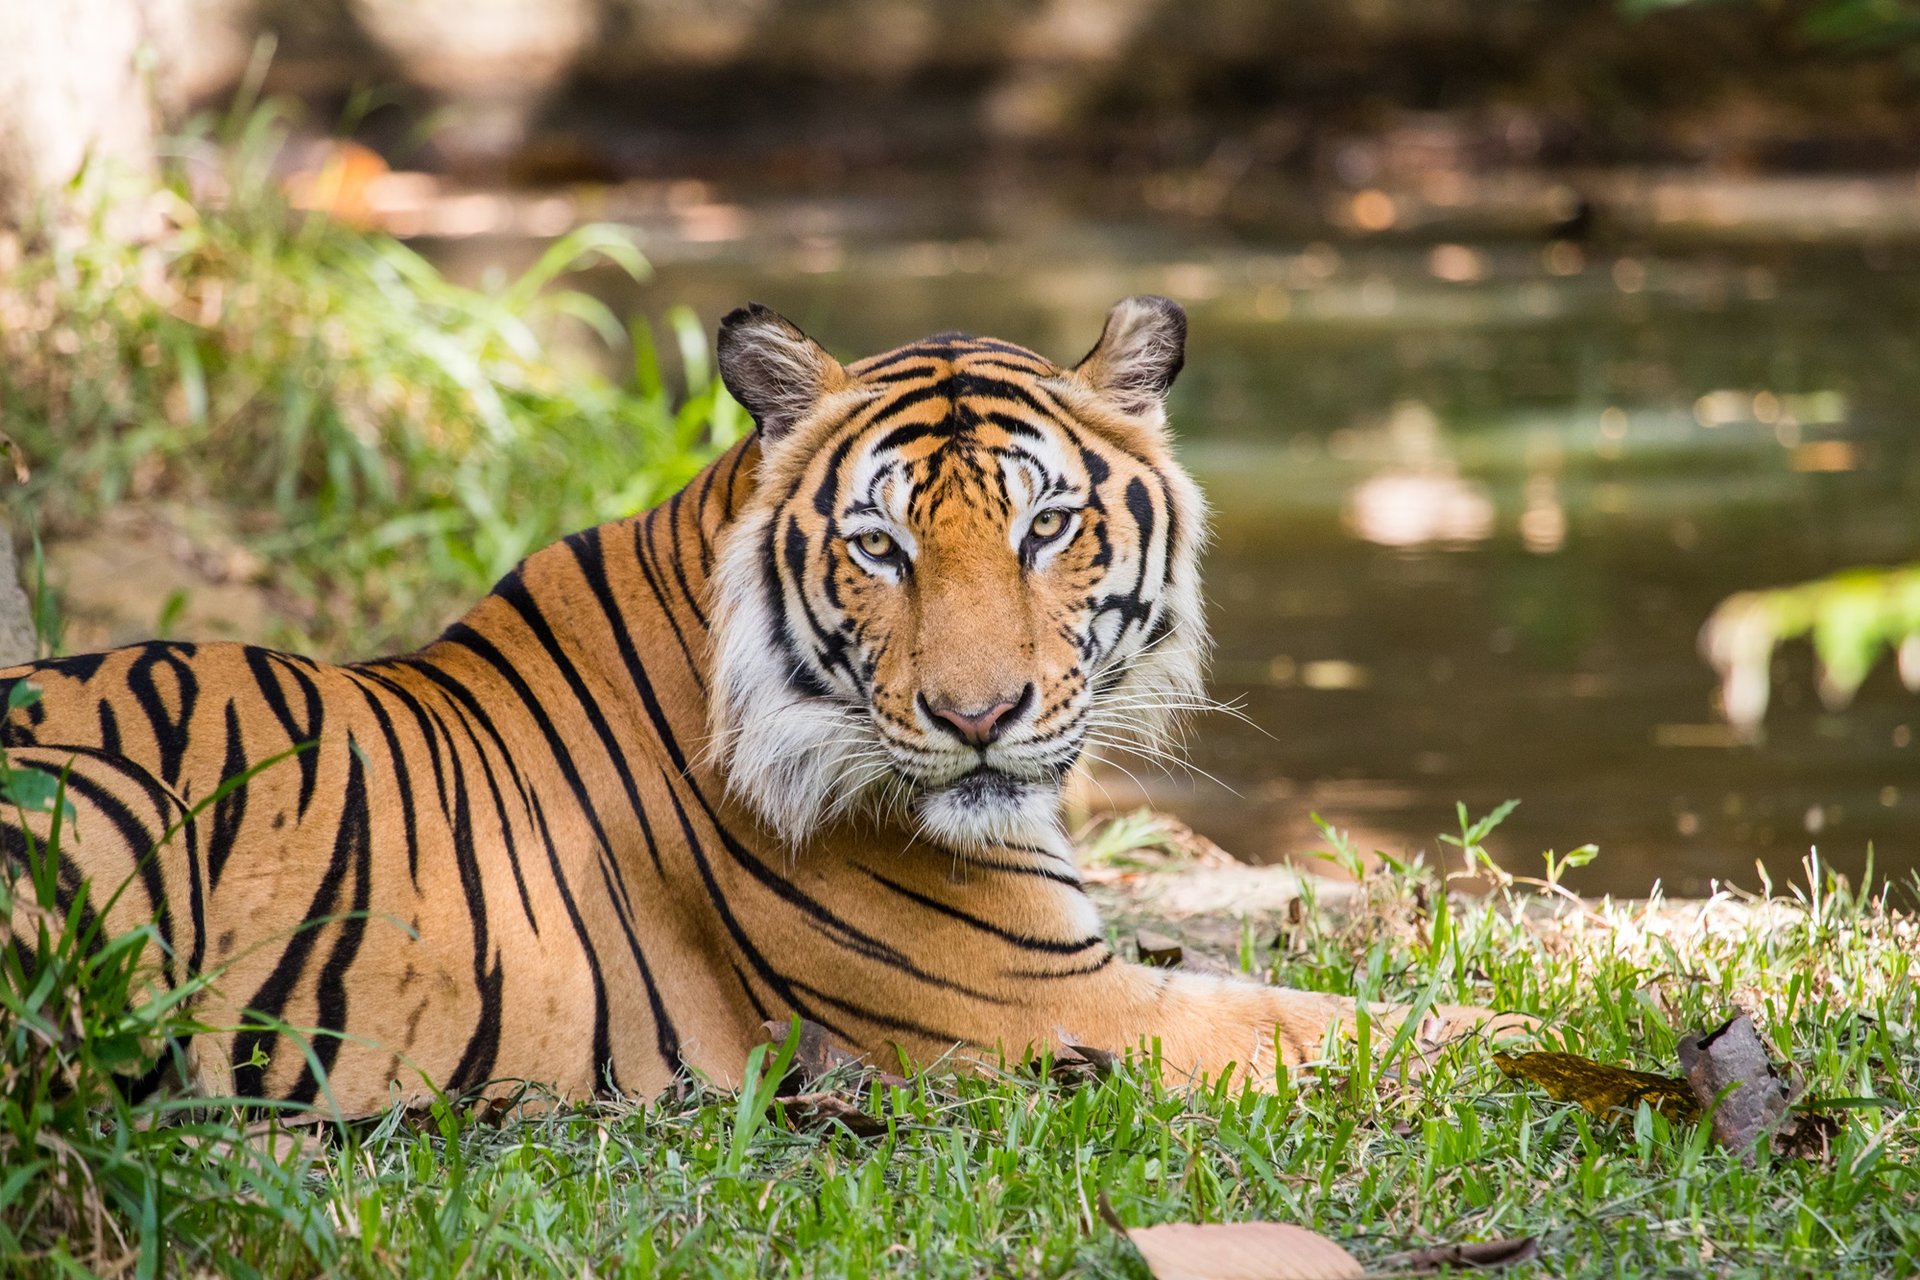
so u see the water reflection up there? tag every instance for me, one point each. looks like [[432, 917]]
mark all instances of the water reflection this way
[[1418, 498]]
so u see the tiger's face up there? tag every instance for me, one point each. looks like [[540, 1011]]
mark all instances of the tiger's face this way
[[963, 568]]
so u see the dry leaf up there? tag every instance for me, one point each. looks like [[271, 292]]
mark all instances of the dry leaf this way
[[1481, 1255], [1158, 950], [1807, 1135], [1163, 951], [816, 1110], [1733, 1079], [1241, 1251], [1075, 1064], [818, 1055], [1600, 1088]]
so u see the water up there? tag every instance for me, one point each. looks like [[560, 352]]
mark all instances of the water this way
[[1473, 502]]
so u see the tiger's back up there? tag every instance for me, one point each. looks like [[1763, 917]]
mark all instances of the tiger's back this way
[[390, 853]]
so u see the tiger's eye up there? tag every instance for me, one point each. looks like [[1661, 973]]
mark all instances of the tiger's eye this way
[[1048, 523], [877, 543]]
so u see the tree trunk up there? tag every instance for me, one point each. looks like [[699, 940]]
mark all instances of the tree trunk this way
[[17, 642], [76, 91]]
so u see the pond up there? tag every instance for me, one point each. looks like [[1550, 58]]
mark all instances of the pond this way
[[1474, 497]]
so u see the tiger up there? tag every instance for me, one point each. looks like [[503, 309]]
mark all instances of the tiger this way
[[791, 744]]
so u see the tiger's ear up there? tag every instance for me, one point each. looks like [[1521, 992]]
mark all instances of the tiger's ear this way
[[1139, 353], [776, 372]]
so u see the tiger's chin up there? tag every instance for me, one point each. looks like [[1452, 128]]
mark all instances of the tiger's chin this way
[[988, 807]]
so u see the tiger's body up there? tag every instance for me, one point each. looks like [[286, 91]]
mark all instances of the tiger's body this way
[[687, 772]]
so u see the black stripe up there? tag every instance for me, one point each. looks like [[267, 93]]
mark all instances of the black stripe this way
[[514, 592], [753, 997], [1079, 971], [169, 729], [483, 648], [431, 729], [675, 561], [403, 780], [261, 663], [972, 861], [483, 1045], [80, 666], [666, 606], [1025, 942], [270, 1001], [594, 568], [354, 838], [800, 677], [230, 810], [109, 727], [780, 984], [473, 713], [889, 1021], [140, 843]]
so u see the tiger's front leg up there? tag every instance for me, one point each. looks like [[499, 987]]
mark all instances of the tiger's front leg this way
[[1205, 1026]]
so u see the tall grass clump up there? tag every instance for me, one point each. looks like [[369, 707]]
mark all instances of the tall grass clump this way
[[390, 441], [94, 1176]]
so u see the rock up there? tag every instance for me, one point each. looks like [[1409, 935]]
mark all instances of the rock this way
[[17, 641]]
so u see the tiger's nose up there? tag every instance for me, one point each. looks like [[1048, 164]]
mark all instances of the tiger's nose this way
[[979, 728]]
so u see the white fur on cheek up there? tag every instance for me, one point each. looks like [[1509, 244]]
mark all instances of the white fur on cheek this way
[[795, 759]]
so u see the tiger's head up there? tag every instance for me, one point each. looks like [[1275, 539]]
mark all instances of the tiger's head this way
[[962, 567]]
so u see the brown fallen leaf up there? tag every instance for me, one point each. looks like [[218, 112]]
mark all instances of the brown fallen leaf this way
[[1734, 1081], [1241, 1251], [1158, 949], [1599, 1087], [819, 1055], [1164, 951], [1807, 1135], [817, 1110], [1480, 1255], [1075, 1064]]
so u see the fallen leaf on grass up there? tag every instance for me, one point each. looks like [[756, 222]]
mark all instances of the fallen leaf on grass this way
[[1807, 1135], [819, 1055], [1158, 950], [1729, 1079], [1074, 1064], [1282, 1251], [1241, 1251], [1755, 1101], [817, 1110], [1163, 951], [1599, 1087], [1733, 1079], [1481, 1255]]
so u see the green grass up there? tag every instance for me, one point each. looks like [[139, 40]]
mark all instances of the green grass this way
[[1000, 1174]]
